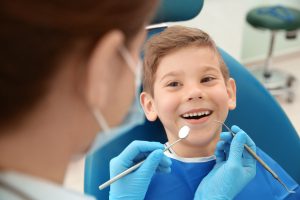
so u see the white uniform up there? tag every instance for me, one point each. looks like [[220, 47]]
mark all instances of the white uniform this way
[[17, 186]]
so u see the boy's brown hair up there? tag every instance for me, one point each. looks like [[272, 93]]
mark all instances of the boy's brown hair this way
[[170, 40]]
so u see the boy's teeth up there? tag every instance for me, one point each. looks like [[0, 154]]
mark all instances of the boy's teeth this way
[[196, 114]]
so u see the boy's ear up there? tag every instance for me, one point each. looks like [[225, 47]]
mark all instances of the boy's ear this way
[[147, 103], [231, 91]]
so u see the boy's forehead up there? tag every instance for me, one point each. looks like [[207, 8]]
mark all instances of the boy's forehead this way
[[178, 55], [202, 58]]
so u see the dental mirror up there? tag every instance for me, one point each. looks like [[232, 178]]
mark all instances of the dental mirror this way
[[183, 132]]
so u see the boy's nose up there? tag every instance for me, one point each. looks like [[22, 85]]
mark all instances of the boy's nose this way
[[194, 93], [191, 98], [194, 98]]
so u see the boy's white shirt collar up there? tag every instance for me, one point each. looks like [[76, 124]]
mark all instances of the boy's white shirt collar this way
[[171, 154], [36, 188]]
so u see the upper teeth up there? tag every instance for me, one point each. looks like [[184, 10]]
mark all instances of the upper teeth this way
[[196, 114]]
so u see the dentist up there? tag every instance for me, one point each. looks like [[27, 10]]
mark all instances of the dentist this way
[[68, 70]]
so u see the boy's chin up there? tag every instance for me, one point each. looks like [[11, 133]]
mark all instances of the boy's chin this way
[[194, 148], [202, 140], [208, 130]]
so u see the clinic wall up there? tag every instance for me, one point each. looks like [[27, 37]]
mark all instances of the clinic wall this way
[[226, 22]]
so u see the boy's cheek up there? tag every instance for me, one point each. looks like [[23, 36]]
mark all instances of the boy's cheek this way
[[168, 104]]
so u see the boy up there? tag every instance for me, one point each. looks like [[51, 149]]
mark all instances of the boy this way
[[186, 82]]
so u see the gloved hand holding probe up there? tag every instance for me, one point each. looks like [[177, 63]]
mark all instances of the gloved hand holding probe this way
[[234, 168], [135, 185]]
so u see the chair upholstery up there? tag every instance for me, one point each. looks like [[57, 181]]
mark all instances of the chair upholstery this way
[[177, 10], [257, 113]]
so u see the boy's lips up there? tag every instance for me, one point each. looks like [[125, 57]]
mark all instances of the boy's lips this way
[[196, 116]]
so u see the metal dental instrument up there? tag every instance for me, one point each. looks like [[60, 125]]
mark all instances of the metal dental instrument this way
[[259, 159], [183, 133]]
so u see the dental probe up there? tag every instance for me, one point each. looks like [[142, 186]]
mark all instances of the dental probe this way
[[183, 133], [259, 159]]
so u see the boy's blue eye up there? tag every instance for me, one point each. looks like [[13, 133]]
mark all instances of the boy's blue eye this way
[[207, 79]]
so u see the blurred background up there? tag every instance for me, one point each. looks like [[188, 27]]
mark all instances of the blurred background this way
[[226, 22]]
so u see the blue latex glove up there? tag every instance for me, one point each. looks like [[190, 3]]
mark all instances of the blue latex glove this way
[[135, 185], [234, 168]]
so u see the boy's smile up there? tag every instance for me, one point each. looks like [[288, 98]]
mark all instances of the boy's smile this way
[[189, 89], [196, 116]]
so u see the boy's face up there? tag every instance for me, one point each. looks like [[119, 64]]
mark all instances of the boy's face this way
[[189, 89]]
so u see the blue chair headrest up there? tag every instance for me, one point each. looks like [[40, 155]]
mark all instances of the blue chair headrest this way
[[177, 10]]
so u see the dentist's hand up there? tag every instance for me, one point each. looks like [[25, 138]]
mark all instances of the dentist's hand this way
[[234, 168], [135, 185]]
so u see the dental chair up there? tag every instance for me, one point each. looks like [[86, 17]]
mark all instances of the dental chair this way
[[257, 113]]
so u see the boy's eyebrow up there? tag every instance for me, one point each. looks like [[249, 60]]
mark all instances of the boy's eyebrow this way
[[172, 73], [210, 68]]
